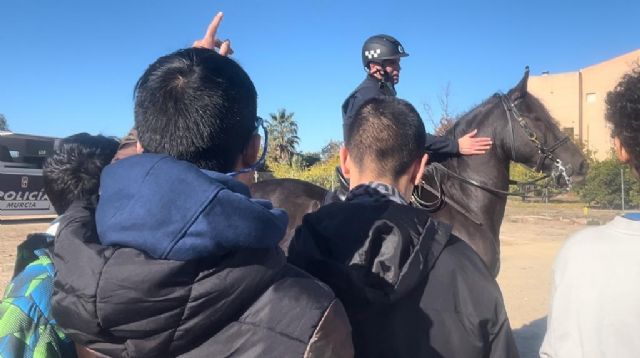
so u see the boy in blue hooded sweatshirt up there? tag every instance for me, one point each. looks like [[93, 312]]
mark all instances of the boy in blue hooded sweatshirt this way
[[177, 259]]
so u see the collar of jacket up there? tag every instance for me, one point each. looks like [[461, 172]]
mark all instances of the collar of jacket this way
[[384, 88], [171, 209], [632, 216], [374, 191], [35, 246]]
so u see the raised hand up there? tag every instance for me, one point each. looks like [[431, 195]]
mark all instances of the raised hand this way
[[470, 145], [211, 42]]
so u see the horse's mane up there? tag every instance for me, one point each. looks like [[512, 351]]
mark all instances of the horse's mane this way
[[466, 120]]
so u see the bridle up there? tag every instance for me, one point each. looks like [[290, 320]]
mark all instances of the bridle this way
[[544, 154]]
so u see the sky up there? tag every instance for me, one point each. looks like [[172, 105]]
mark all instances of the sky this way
[[70, 66]]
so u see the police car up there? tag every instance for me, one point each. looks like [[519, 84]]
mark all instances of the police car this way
[[21, 184]]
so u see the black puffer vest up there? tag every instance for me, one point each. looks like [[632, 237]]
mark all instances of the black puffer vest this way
[[119, 302]]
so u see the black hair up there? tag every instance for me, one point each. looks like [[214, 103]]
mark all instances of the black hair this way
[[197, 106], [623, 112], [72, 172], [387, 134]]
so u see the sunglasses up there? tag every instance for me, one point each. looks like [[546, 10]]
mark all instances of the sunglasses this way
[[263, 156]]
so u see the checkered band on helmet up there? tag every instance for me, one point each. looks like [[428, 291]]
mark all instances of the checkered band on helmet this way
[[381, 47]]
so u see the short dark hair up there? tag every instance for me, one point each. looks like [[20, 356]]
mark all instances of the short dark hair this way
[[197, 106], [623, 112], [387, 134], [73, 170]]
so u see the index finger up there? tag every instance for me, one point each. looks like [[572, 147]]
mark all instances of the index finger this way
[[213, 26], [482, 139]]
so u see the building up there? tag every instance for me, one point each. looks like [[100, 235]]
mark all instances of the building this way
[[577, 99]]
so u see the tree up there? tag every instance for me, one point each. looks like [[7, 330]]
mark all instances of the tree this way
[[308, 159], [447, 119], [315, 167], [331, 149], [283, 135], [321, 173], [602, 185], [4, 126]]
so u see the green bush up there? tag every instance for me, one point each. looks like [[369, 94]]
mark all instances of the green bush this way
[[523, 174], [322, 173], [602, 185]]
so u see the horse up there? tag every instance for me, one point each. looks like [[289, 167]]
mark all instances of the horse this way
[[468, 192]]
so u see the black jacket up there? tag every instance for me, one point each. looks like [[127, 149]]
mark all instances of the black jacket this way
[[411, 289], [371, 87], [249, 303]]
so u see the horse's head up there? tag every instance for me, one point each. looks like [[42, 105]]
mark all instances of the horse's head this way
[[536, 141]]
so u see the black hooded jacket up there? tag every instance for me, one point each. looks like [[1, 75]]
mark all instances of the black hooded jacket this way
[[248, 303], [411, 289]]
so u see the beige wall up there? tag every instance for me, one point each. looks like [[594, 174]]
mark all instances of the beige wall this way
[[560, 93], [577, 99]]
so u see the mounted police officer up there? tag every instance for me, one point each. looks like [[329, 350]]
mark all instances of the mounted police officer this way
[[381, 56]]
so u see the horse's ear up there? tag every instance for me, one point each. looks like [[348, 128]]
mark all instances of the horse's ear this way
[[520, 90]]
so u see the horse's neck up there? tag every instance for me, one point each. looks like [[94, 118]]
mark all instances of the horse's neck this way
[[487, 169], [490, 169], [481, 205]]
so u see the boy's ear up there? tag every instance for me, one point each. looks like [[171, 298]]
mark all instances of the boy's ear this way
[[345, 162], [621, 153], [250, 154], [419, 169], [139, 148]]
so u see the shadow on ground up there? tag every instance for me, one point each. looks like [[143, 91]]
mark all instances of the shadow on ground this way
[[12, 221], [529, 337]]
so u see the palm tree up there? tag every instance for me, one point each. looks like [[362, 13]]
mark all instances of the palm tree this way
[[283, 135]]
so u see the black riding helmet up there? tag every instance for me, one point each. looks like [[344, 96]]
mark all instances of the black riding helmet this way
[[381, 47]]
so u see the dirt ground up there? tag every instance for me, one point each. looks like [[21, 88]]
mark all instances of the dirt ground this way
[[531, 236], [13, 233]]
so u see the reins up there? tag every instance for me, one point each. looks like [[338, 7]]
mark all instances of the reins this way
[[544, 154]]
